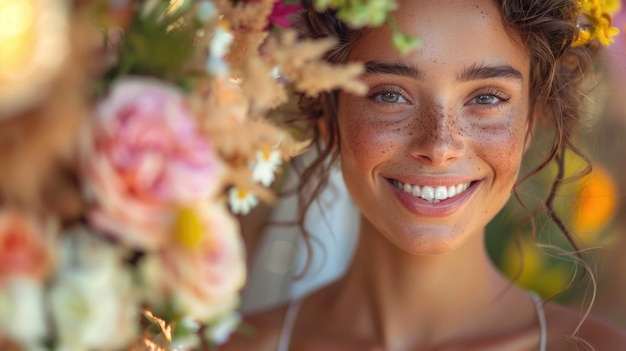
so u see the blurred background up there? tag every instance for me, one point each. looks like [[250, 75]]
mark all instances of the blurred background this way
[[593, 207]]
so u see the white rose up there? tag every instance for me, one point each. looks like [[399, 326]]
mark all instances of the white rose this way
[[93, 302], [22, 317]]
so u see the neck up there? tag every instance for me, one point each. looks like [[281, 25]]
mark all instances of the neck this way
[[397, 295]]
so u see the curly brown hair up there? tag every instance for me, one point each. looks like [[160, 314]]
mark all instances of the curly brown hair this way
[[547, 29]]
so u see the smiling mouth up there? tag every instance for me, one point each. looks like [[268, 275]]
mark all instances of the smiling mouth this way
[[432, 194]]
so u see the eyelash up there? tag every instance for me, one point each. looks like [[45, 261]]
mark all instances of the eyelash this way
[[378, 91], [497, 93]]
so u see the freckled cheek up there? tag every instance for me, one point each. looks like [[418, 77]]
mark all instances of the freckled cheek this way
[[502, 145], [365, 139]]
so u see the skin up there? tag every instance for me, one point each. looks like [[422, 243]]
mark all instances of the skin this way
[[420, 281]]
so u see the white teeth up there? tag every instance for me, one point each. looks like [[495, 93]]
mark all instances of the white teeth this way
[[417, 190], [441, 193], [451, 191], [407, 188], [430, 193]]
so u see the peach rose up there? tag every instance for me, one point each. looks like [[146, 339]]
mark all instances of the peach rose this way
[[142, 158], [204, 276], [23, 247]]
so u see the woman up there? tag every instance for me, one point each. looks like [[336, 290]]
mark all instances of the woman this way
[[429, 156]]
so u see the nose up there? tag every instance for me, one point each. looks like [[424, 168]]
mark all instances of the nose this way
[[438, 139]]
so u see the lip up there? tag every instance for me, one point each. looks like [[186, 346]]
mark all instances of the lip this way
[[421, 207]]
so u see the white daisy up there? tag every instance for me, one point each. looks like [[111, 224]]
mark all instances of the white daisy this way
[[241, 201], [265, 167]]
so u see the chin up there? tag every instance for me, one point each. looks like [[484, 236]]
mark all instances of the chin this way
[[430, 239]]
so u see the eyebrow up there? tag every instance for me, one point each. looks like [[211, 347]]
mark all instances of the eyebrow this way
[[395, 68], [478, 72], [474, 72]]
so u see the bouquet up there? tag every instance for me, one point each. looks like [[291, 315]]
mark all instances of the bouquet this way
[[140, 130]]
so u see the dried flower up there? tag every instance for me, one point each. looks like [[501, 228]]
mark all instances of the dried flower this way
[[301, 62]]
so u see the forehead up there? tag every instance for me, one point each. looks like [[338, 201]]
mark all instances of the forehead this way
[[453, 34]]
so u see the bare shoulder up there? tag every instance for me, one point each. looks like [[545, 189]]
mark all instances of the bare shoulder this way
[[265, 328], [595, 332]]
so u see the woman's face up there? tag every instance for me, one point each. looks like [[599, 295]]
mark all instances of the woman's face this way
[[432, 152]]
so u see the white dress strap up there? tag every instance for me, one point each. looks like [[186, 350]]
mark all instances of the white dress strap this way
[[543, 336], [288, 324]]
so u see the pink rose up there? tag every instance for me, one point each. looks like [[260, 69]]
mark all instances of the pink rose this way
[[144, 157], [23, 247], [204, 280]]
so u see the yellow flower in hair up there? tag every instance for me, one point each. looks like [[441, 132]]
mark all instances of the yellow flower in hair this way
[[603, 30], [583, 38], [597, 12], [603, 6], [609, 6]]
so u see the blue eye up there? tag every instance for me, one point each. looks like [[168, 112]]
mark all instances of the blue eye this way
[[389, 98], [486, 99], [490, 97]]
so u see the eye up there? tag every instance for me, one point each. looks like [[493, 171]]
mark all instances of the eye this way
[[485, 99], [490, 97], [388, 95]]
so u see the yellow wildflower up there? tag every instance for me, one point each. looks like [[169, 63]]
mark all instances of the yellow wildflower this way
[[532, 270], [598, 13], [596, 202]]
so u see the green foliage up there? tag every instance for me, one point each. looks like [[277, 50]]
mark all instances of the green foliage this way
[[361, 13], [158, 43]]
